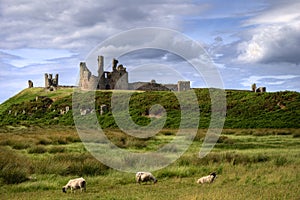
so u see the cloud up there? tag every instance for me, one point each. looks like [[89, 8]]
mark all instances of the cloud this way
[[271, 44], [267, 80], [57, 24], [274, 35], [44, 36], [276, 11], [250, 38], [25, 57]]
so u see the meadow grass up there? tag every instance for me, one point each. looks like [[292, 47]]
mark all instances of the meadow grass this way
[[250, 164], [31, 93]]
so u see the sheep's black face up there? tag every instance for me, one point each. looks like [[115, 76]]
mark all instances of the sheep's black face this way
[[213, 174], [64, 190]]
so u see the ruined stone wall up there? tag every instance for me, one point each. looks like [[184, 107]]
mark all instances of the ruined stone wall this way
[[172, 87], [93, 83], [148, 86], [51, 82], [183, 85], [119, 78], [136, 85], [116, 79], [30, 84]]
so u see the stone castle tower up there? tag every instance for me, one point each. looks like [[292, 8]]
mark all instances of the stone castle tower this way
[[183, 85], [116, 79], [51, 82]]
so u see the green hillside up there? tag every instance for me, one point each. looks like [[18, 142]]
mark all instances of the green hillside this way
[[245, 109]]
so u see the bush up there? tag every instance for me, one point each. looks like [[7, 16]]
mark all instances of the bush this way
[[73, 139], [20, 146], [87, 167], [280, 161], [12, 174], [14, 168], [15, 144], [296, 135], [230, 157], [284, 133], [56, 150], [37, 149], [44, 141]]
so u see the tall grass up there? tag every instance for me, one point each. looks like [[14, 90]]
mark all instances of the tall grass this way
[[12, 168], [250, 166]]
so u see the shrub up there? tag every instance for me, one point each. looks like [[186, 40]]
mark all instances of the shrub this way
[[284, 133], [230, 157], [183, 162], [280, 161], [12, 174], [56, 150], [14, 168], [87, 167], [200, 135], [136, 143], [245, 132], [15, 144], [44, 141], [260, 158], [168, 133], [73, 139], [20, 145], [37, 149], [296, 135], [180, 172]]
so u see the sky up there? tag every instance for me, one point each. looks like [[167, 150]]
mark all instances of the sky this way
[[248, 41]]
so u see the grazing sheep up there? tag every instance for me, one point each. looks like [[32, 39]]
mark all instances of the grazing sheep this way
[[144, 177], [78, 183], [207, 179]]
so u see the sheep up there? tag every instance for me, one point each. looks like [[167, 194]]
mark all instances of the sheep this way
[[144, 177], [207, 179], [73, 184]]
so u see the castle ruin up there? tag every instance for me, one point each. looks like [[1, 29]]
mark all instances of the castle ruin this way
[[50, 82], [117, 79]]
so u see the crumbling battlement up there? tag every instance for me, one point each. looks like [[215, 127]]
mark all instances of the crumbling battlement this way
[[50, 82], [117, 79]]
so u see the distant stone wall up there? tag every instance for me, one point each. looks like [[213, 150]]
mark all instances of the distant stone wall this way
[[172, 87]]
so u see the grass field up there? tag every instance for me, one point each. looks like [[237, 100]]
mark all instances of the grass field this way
[[36, 162], [244, 109]]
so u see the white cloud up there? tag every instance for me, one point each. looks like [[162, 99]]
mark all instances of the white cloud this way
[[61, 33], [272, 43], [25, 57], [278, 11], [275, 35], [65, 24], [267, 80]]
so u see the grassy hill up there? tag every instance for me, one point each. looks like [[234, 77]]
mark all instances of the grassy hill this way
[[37, 159], [245, 109]]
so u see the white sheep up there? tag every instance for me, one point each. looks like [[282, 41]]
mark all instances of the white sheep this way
[[73, 184], [207, 179], [144, 177]]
